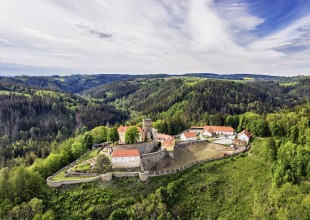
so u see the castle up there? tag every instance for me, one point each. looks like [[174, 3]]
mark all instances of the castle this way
[[143, 153], [146, 133]]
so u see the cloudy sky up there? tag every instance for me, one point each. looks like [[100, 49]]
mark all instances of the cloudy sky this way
[[154, 36]]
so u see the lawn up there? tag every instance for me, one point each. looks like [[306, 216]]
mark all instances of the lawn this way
[[90, 155], [61, 175]]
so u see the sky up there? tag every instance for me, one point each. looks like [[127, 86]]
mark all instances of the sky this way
[[42, 37]]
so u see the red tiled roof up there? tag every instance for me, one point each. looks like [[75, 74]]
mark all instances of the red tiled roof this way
[[210, 130], [123, 129], [169, 141], [163, 136], [190, 134], [220, 128], [125, 153], [247, 133]]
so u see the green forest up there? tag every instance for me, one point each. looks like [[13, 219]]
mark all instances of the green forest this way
[[43, 128]]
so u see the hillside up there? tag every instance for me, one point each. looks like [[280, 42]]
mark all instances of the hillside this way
[[45, 130], [193, 100], [30, 118], [78, 83]]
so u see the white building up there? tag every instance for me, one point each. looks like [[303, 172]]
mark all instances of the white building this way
[[188, 136], [217, 130], [126, 159], [244, 136]]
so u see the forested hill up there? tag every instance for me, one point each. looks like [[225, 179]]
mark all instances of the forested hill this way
[[30, 117], [71, 83], [78, 83], [195, 99], [269, 182]]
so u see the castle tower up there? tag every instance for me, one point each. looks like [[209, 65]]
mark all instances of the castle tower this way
[[147, 129]]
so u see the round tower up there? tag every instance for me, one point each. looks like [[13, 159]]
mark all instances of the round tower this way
[[147, 129]]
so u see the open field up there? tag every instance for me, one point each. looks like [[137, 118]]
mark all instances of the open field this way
[[286, 84], [2, 92], [194, 152]]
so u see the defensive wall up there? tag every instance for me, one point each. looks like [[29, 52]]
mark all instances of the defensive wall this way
[[166, 172], [150, 159], [186, 143], [142, 175]]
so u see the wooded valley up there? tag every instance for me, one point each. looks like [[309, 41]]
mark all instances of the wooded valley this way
[[40, 125]]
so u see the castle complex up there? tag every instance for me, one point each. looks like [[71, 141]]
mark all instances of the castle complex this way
[[147, 147]]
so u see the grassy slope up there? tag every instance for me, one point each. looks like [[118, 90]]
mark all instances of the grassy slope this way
[[224, 189]]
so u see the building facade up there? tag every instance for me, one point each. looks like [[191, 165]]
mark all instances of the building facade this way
[[126, 159], [189, 136]]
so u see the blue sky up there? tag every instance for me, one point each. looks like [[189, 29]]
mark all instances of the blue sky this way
[[154, 36]]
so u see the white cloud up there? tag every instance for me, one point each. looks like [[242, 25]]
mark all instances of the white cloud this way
[[141, 36]]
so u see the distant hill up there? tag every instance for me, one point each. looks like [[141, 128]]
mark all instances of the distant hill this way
[[78, 83], [194, 97], [239, 76]]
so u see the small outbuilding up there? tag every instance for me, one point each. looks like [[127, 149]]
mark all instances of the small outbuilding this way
[[244, 136], [189, 136]]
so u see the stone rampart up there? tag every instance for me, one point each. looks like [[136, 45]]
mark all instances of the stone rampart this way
[[142, 175], [125, 174], [72, 173], [166, 172], [69, 182], [153, 157]]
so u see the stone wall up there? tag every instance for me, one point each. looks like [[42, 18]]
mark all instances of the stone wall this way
[[143, 148], [153, 158], [125, 174], [72, 173], [186, 143], [149, 160], [69, 182], [166, 172], [142, 175]]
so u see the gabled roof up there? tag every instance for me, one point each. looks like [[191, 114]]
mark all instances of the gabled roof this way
[[247, 133], [190, 134], [123, 129], [125, 153], [210, 130], [220, 128], [169, 141], [163, 136]]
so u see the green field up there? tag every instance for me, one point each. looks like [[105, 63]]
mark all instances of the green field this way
[[288, 84], [226, 189], [15, 93], [61, 175]]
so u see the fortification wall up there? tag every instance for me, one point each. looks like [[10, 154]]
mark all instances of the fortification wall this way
[[149, 160], [166, 172], [186, 143], [142, 175], [80, 174], [69, 182], [125, 174], [143, 148], [153, 157]]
